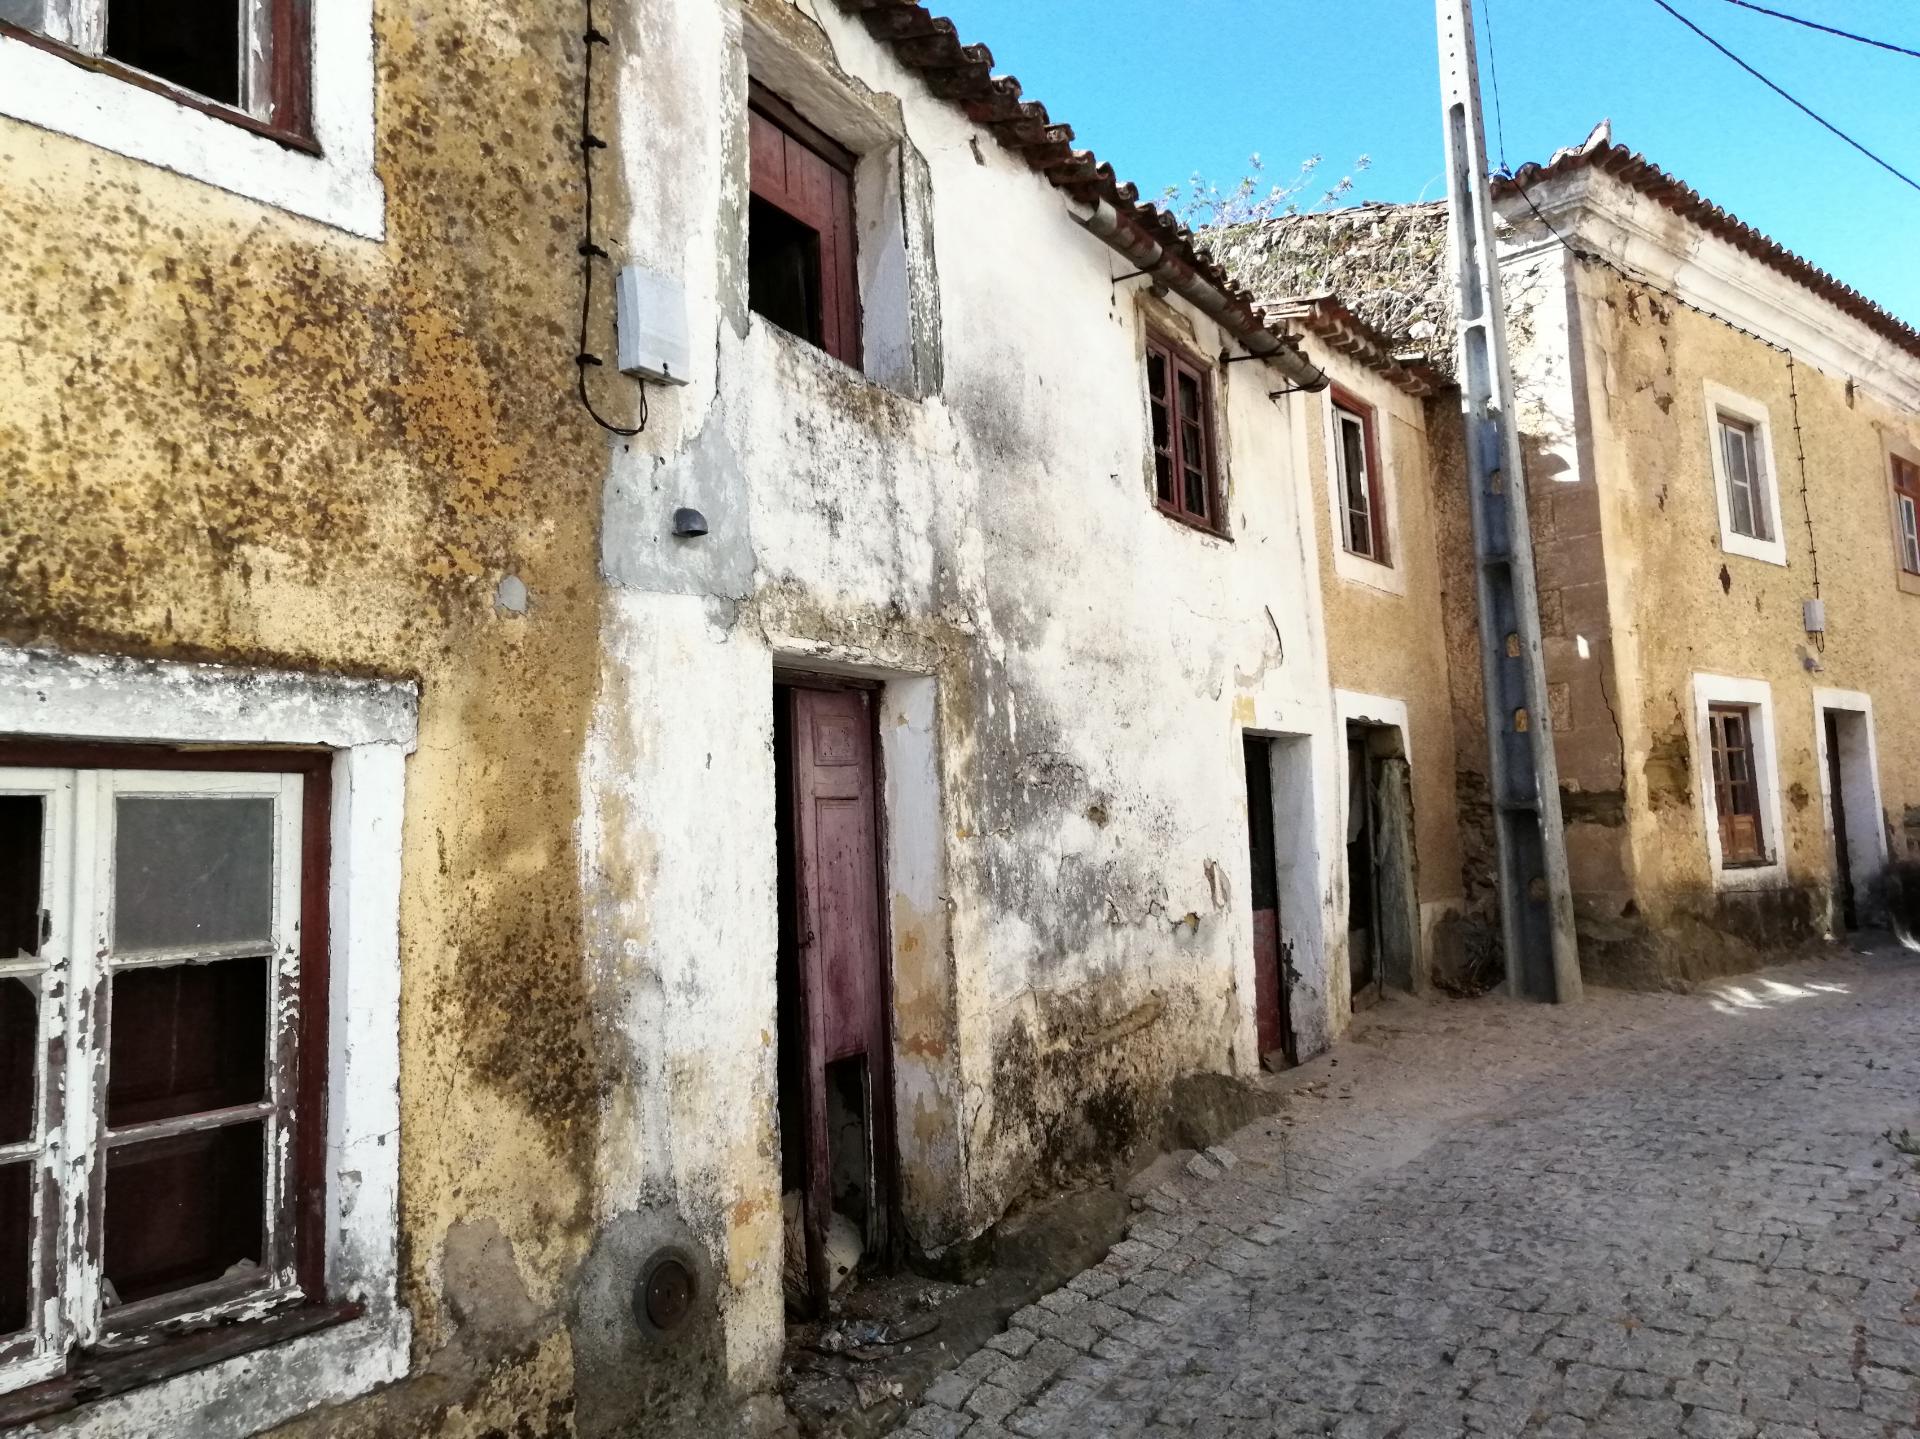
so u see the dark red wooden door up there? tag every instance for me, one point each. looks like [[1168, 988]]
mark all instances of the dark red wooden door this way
[[836, 844]]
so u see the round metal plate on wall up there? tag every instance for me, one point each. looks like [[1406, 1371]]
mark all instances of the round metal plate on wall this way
[[664, 1293]]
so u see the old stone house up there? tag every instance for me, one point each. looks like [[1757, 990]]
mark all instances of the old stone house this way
[[488, 893], [1721, 472]]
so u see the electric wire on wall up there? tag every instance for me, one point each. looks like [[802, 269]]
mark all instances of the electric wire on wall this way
[[590, 251]]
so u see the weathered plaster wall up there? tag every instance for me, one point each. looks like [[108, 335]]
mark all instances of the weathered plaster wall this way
[[1075, 934], [230, 434], [1385, 633], [1638, 594]]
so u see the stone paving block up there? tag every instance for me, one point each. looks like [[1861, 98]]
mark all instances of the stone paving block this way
[[992, 1403], [1014, 1342]]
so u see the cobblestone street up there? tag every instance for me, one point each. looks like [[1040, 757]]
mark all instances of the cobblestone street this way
[[1643, 1215]]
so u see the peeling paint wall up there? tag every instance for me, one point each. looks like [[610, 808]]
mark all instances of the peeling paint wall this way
[[232, 434], [229, 433], [1066, 673]]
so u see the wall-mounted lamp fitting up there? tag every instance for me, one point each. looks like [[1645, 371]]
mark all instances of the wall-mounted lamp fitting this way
[[689, 524]]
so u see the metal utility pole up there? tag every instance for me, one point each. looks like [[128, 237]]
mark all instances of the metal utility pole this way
[[1536, 900]]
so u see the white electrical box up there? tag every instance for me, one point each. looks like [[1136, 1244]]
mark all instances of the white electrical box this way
[[650, 319], [1814, 614]]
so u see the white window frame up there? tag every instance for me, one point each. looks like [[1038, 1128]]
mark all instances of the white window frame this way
[[370, 726], [1390, 577], [1757, 697], [337, 187], [1723, 401]]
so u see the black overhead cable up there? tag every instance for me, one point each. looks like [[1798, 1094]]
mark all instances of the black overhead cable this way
[[585, 359], [1801, 106], [1493, 69], [1829, 29]]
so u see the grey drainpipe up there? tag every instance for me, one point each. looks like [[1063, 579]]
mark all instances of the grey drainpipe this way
[[1102, 220]]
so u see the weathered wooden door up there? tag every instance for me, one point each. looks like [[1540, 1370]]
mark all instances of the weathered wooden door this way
[[842, 966], [1274, 1031]]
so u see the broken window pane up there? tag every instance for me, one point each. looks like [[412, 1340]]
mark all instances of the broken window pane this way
[[19, 1060], [187, 1039], [192, 871], [16, 1245], [195, 44], [185, 1210], [21, 817]]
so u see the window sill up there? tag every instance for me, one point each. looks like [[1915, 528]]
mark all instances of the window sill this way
[[102, 1376], [1770, 552], [1908, 581], [1181, 517]]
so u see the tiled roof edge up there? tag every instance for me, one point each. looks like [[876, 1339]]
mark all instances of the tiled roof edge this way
[[963, 76], [1638, 173]]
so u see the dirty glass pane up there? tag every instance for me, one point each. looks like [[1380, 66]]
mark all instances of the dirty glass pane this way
[[19, 1059], [191, 870], [187, 1039], [1353, 478], [186, 1210], [21, 819], [194, 44], [16, 1245], [1163, 475], [1157, 375]]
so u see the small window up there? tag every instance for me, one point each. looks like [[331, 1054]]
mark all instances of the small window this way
[[1736, 785], [801, 272], [1180, 398], [241, 59], [1741, 461], [1356, 467], [155, 988], [1906, 499]]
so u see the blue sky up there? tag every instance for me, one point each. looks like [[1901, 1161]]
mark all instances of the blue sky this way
[[1165, 89]]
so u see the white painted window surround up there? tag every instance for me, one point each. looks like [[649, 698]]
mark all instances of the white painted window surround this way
[[370, 726], [337, 187], [1724, 402], [1757, 696], [1391, 577]]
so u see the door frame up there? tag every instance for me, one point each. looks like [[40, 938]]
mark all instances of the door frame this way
[[881, 1120], [1351, 707], [1868, 860]]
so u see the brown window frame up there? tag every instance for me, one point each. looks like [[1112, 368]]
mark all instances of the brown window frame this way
[[1177, 361], [284, 114], [1904, 477], [816, 192], [149, 1342], [1737, 799], [1380, 549]]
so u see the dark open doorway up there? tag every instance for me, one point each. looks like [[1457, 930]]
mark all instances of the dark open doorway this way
[[1273, 1022], [1383, 909], [835, 1040]]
